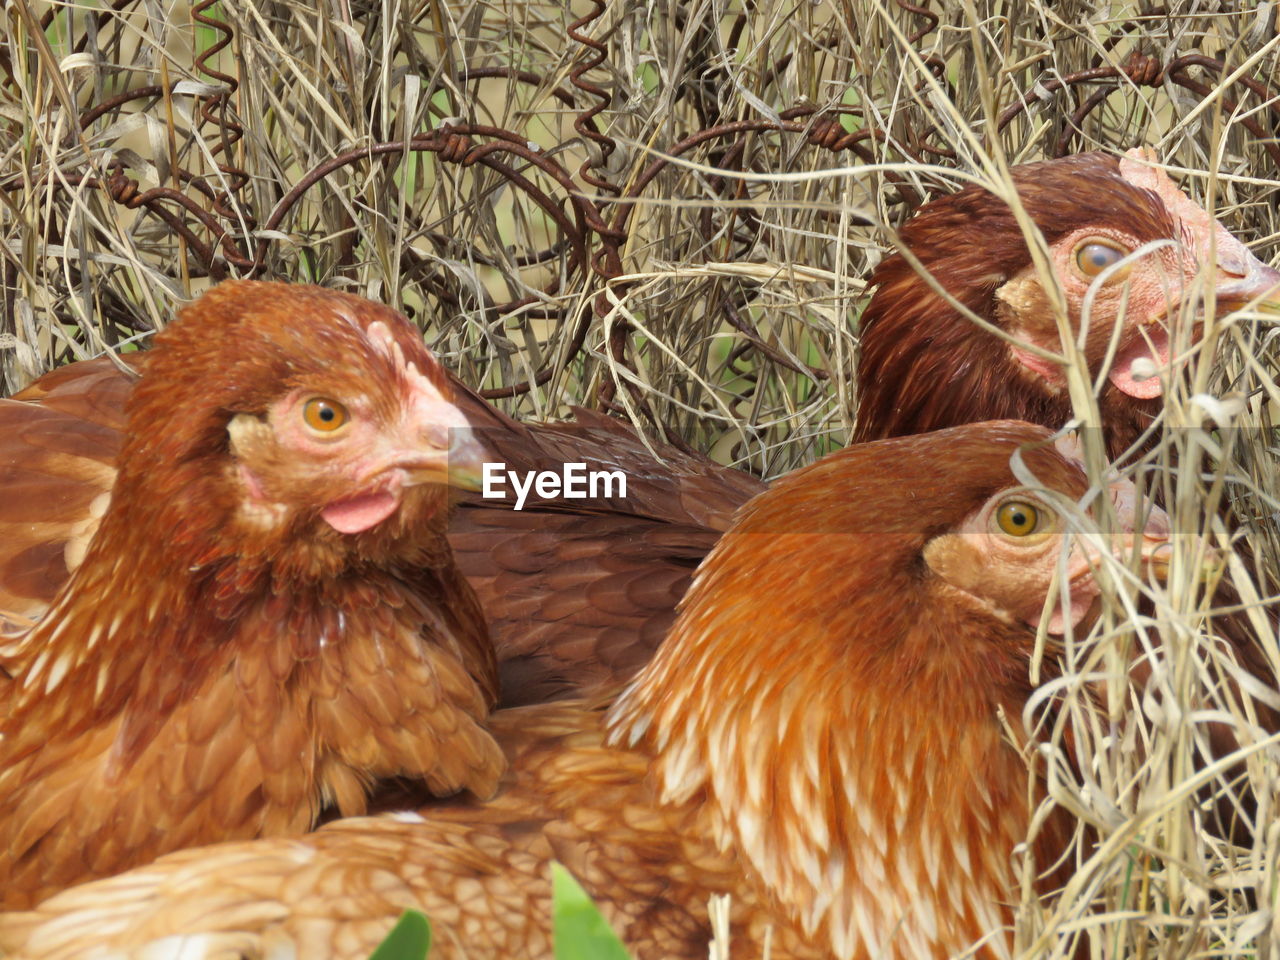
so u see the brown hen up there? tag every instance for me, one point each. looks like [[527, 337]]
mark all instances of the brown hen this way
[[576, 592], [924, 365], [773, 751], [267, 619]]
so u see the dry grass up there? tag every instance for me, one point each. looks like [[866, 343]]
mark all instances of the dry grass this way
[[729, 314]]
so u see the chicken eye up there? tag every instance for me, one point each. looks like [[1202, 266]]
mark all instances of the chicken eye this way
[[1018, 518], [324, 415], [1094, 257]]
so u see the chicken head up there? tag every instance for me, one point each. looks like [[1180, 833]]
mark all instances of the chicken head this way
[[1137, 263]]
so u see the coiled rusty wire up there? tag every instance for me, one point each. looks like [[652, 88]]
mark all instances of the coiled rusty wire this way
[[215, 221]]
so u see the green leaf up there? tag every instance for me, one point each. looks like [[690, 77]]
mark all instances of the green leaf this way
[[581, 933], [649, 77], [409, 939], [207, 36]]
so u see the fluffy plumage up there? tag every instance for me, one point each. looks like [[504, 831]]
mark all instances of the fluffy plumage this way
[[579, 593], [267, 618], [781, 748]]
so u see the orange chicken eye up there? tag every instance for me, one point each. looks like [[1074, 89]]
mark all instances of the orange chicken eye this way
[[324, 415], [1018, 518], [1094, 257]]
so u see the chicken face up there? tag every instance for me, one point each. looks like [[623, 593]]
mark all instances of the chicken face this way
[[323, 426], [1006, 557], [1129, 286], [351, 453]]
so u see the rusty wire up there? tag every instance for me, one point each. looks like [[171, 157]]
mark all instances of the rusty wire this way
[[220, 224], [1146, 71]]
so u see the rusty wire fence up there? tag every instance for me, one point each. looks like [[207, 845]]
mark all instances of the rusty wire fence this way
[[664, 210]]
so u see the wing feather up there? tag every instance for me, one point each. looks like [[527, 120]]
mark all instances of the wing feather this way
[[59, 440]]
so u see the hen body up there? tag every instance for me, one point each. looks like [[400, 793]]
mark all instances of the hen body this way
[[781, 748], [266, 620], [579, 593]]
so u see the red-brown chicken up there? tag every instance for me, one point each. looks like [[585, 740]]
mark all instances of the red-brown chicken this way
[[781, 748], [267, 619], [576, 592], [924, 365]]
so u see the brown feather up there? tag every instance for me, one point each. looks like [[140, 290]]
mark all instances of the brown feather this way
[[579, 593]]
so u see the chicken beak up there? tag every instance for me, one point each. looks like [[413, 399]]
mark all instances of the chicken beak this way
[[1247, 281], [1149, 537], [460, 464], [1157, 553], [466, 460], [1157, 556], [447, 449]]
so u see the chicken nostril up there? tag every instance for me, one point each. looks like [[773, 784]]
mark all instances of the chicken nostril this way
[[1159, 559]]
